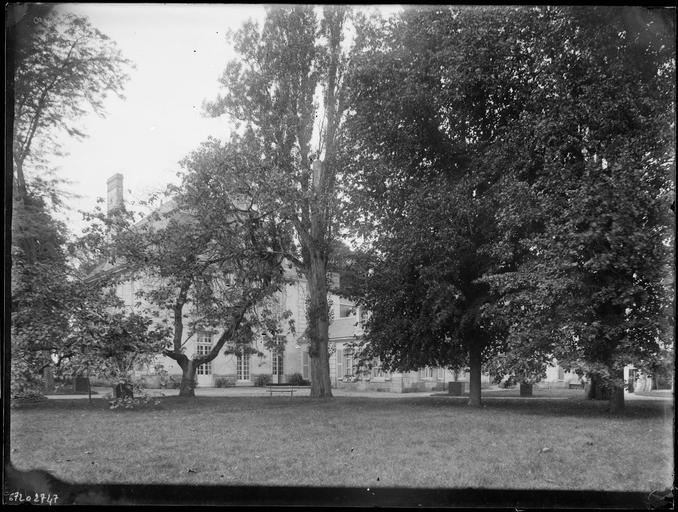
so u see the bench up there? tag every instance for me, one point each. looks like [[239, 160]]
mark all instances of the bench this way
[[280, 389], [576, 385]]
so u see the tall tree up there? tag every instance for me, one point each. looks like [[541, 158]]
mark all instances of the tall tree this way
[[207, 260], [66, 69], [73, 326], [432, 85], [59, 66], [591, 166], [497, 129], [287, 91]]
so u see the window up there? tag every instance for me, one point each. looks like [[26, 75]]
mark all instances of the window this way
[[426, 373], [277, 355], [349, 370], [276, 363], [243, 367], [376, 369], [125, 292], [204, 347], [301, 302], [346, 310], [339, 355], [129, 293], [561, 373], [346, 364]]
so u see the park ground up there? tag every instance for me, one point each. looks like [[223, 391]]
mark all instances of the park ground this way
[[557, 441]]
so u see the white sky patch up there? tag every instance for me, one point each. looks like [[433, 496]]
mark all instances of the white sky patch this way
[[180, 51]]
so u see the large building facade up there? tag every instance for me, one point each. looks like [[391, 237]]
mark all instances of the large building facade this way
[[277, 366], [264, 365]]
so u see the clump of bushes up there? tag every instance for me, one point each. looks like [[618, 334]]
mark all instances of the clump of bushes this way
[[296, 379], [26, 398], [26, 384], [225, 382], [173, 382], [162, 374], [508, 383], [263, 379], [128, 402]]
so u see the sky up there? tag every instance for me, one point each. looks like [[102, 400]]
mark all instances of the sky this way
[[179, 50]]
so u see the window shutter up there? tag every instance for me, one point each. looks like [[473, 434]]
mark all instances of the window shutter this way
[[340, 363], [304, 369]]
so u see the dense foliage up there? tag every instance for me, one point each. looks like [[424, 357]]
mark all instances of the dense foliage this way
[[285, 93], [516, 194], [61, 68], [205, 261]]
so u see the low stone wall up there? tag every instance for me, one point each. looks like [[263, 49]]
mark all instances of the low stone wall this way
[[554, 384], [365, 386], [224, 380], [420, 386], [395, 385], [152, 381]]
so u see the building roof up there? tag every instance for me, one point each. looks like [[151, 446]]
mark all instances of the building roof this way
[[346, 327]]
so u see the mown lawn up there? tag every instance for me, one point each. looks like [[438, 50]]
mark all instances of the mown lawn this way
[[408, 442]]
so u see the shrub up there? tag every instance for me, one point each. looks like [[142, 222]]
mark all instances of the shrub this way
[[141, 402], [26, 384], [225, 382], [137, 383], [296, 379], [26, 398], [174, 382], [164, 375], [261, 380]]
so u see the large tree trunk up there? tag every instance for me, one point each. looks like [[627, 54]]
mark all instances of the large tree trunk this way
[[48, 376], [123, 390], [475, 361], [187, 386], [617, 399], [318, 328], [188, 366], [616, 394], [597, 390]]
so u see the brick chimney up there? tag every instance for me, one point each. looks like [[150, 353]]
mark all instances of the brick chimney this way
[[114, 197]]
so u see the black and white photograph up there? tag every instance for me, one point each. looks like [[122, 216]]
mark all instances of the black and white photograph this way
[[293, 255]]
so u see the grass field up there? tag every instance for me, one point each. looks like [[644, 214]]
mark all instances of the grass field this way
[[348, 441]]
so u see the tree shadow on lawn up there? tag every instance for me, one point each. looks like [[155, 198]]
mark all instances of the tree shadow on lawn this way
[[573, 407], [22, 485]]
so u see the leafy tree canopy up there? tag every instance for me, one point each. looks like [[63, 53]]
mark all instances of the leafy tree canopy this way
[[518, 184]]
